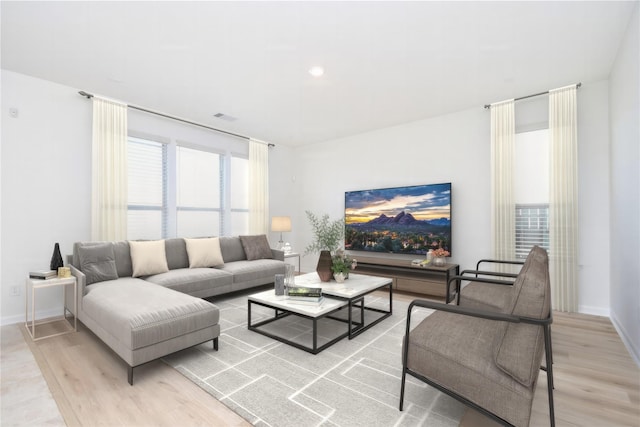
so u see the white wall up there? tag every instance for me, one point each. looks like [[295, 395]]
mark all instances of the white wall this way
[[625, 188], [281, 200], [46, 182], [452, 148], [46, 179], [593, 193], [456, 148]]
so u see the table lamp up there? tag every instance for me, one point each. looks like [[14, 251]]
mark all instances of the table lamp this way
[[280, 223]]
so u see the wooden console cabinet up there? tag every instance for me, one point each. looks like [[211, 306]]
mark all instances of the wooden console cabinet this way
[[430, 281]]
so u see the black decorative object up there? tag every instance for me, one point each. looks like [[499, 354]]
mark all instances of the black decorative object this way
[[56, 258]]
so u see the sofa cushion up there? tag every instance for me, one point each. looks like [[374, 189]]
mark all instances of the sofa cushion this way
[[176, 251], [193, 281], [232, 250], [262, 270], [204, 252], [148, 257], [138, 313], [520, 345], [486, 296], [256, 247], [120, 250], [461, 358], [97, 262]]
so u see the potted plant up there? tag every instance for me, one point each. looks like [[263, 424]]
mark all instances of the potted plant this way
[[341, 263], [439, 256], [327, 237]]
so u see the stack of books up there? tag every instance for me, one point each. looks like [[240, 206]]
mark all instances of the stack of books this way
[[302, 295], [43, 274]]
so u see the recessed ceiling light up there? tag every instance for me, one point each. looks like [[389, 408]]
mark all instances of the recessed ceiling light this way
[[316, 71]]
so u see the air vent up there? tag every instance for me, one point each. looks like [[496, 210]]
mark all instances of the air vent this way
[[225, 117]]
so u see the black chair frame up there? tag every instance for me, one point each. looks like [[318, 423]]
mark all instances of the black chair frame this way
[[498, 261], [483, 314], [463, 276]]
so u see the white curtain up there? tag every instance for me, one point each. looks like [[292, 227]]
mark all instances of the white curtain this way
[[258, 187], [109, 171], [502, 188], [563, 197]]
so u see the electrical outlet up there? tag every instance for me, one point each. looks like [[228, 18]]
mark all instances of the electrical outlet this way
[[14, 291]]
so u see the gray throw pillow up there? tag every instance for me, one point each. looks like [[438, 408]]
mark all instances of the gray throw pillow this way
[[256, 247], [98, 262]]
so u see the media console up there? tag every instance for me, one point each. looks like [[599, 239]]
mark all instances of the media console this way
[[430, 280]]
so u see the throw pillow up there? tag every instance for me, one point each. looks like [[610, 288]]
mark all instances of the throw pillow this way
[[204, 252], [98, 262], [256, 247], [148, 257]]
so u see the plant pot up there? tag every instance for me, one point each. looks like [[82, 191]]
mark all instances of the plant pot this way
[[324, 266], [340, 277]]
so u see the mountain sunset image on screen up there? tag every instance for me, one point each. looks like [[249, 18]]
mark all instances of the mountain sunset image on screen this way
[[402, 220]]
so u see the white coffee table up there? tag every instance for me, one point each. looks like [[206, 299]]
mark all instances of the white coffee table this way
[[353, 290], [283, 307], [337, 296]]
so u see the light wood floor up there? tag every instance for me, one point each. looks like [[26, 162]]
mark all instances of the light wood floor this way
[[597, 383]]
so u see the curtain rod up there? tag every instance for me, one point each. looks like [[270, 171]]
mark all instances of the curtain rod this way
[[488, 106], [134, 107]]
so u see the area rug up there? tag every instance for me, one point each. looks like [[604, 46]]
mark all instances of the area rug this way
[[352, 383]]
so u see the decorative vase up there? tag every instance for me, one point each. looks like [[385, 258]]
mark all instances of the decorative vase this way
[[56, 258], [279, 284], [340, 277], [439, 261], [289, 277], [324, 266]]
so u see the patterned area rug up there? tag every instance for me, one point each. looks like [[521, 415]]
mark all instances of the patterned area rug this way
[[352, 383]]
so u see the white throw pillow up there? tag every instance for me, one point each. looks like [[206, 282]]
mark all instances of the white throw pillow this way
[[148, 257], [204, 252]]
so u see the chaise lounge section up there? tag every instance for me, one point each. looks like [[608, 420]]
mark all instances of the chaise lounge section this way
[[147, 317]]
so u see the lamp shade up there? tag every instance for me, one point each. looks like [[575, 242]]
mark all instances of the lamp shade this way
[[280, 223]]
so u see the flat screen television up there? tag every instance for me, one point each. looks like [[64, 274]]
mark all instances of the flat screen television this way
[[400, 220]]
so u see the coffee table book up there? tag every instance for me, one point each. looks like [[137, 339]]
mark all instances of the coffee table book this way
[[305, 300], [299, 291], [43, 274]]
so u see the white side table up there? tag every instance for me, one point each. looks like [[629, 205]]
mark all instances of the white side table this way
[[31, 286], [293, 255]]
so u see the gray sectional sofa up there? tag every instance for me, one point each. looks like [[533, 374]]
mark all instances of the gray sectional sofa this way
[[147, 317]]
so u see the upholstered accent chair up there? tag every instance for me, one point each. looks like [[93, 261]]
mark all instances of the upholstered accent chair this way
[[487, 355]]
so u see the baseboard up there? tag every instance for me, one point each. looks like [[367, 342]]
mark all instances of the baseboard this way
[[633, 351], [596, 311], [19, 318]]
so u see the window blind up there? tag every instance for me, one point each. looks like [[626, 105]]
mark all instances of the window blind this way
[[147, 189], [532, 228], [199, 190]]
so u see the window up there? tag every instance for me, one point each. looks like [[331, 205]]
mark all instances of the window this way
[[239, 196], [198, 193], [532, 227], [182, 191], [532, 191], [146, 216]]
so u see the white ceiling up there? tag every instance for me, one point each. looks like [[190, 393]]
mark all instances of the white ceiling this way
[[386, 63]]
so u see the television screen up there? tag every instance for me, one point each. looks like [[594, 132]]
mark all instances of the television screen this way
[[401, 220]]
